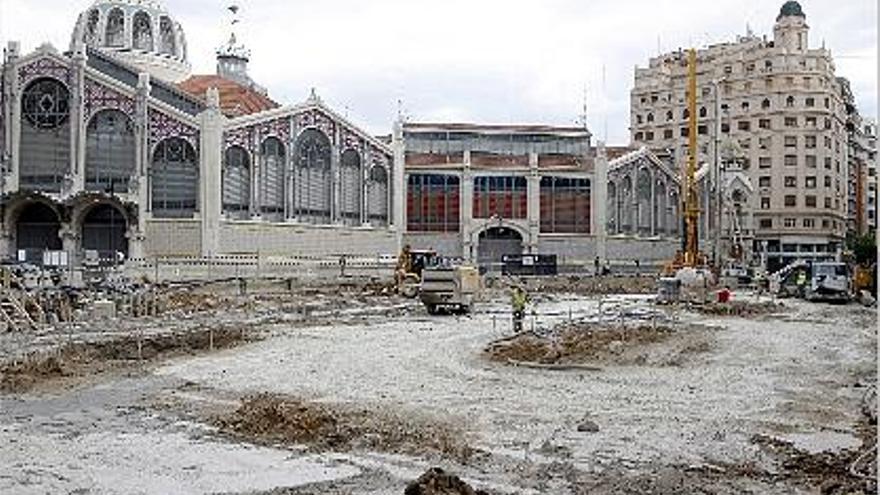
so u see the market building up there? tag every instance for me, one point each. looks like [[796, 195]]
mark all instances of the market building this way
[[113, 149]]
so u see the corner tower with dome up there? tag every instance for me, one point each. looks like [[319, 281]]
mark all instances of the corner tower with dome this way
[[771, 110], [114, 150]]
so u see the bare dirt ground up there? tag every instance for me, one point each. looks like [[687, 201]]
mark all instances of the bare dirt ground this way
[[348, 391]]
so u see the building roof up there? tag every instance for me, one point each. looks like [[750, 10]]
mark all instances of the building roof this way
[[494, 128], [614, 152], [235, 100]]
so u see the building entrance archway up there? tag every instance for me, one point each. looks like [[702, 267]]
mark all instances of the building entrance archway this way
[[496, 242], [104, 230], [37, 229]]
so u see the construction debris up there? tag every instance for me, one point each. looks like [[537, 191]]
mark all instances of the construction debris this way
[[740, 308], [577, 343], [436, 481], [273, 418]]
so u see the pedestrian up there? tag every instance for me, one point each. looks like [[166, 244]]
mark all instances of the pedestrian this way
[[518, 301], [597, 267]]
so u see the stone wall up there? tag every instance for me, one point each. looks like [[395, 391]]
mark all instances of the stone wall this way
[[446, 244], [303, 240], [645, 250], [173, 238]]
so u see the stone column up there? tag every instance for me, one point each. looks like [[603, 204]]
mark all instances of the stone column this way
[[70, 240], [255, 178], [336, 178], [211, 123], [363, 172], [12, 119], [141, 180], [78, 118], [466, 209], [397, 205], [653, 204], [533, 191], [290, 171], [600, 202]]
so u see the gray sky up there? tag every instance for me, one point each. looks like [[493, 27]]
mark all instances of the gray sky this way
[[491, 61]]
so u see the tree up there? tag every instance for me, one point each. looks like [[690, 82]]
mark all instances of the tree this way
[[864, 248]]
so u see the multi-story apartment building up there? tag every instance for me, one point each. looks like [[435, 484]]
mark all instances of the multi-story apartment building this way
[[861, 169], [772, 109], [871, 203]]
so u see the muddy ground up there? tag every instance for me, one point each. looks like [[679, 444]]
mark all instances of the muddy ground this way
[[349, 390]]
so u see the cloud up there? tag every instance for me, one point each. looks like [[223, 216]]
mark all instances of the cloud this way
[[480, 60]]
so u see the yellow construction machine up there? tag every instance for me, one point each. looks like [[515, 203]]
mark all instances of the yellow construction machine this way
[[687, 276], [690, 255], [408, 273]]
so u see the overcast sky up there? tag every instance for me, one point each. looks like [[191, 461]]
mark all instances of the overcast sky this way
[[489, 61]]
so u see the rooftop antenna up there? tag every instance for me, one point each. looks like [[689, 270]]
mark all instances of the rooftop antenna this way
[[583, 117]]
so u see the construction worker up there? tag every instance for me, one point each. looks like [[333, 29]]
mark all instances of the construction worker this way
[[801, 282], [518, 301]]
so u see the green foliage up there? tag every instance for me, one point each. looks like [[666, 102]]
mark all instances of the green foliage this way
[[864, 248]]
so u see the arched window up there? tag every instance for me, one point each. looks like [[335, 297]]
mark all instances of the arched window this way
[[110, 152], [237, 183], [650, 117], [313, 184], [167, 42], [45, 135], [272, 178], [789, 102], [703, 112], [174, 175], [638, 119], [351, 187], [765, 104], [377, 190], [115, 32], [685, 114], [90, 33], [669, 116], [142, 32]]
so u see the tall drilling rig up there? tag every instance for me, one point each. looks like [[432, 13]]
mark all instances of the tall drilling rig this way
[[691, 195]]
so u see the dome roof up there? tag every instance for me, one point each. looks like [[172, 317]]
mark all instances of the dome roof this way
[[791, 9], [139, 32]]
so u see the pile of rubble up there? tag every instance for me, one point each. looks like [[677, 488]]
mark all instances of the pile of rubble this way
[[436, 481], [575, 343], [272, 419], [78, 359], [740, 308]]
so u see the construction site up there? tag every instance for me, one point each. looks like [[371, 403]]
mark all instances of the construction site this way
[[278, 302], [420, 374]]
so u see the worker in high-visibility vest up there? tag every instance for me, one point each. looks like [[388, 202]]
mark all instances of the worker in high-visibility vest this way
[[801, 283], [518, 301]]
